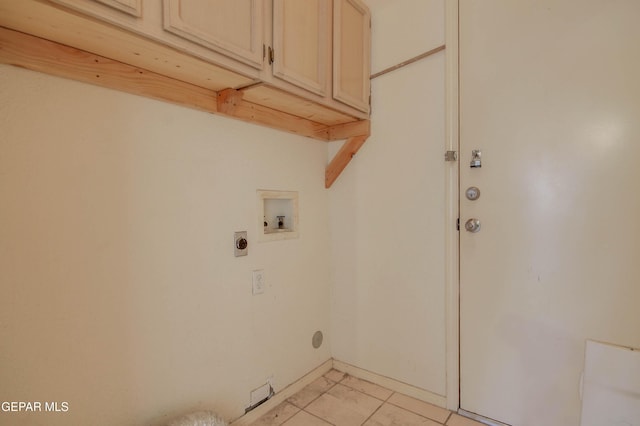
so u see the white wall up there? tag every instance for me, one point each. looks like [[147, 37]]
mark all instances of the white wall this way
[[387, 210], [119, 291]]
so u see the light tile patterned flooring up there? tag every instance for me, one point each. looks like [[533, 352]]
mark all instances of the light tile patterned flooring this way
[[342, 400]]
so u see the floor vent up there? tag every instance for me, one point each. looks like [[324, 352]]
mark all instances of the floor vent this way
[[260, 396]]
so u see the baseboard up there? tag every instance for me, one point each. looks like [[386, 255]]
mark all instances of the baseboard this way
[[394, 385], [352, 370], [481, 419], [282, 395]]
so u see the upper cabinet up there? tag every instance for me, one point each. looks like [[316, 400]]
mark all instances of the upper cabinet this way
[[324, 46], [313, 50], [351, 53], [301, 52], [233, 28]]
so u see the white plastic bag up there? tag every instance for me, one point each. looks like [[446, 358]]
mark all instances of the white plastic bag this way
[[199, 418]]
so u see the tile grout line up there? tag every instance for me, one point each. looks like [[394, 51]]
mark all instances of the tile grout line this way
[[386, 401], [396, 405], [362, 391], [322, 393], [260, 419], [344, 377], [318, 397], [342, 382], [379, 407], [422, 415], [448, 417], [317, 417]]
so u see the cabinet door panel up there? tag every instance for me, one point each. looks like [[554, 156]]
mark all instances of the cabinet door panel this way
[[132, 7], [301, 39], [233, 28], [351, 53], [92, 7]]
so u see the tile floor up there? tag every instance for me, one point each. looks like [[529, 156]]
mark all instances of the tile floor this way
[[342, 400]]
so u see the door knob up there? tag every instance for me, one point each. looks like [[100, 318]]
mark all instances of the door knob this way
[[472, 225]]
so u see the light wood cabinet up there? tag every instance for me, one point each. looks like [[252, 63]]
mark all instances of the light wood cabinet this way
[[351, 53], [170, 52], [302, 43], [233, 28], [315, 50], [288, 41], [229, 34], [324, 46]]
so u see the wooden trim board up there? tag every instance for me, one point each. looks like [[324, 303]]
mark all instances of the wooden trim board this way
[[41, 55], [348, 130], [452, 236], [231, 103], [408, 61], [45, 56]]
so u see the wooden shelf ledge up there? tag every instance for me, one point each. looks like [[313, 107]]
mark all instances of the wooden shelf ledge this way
[[37, 54]]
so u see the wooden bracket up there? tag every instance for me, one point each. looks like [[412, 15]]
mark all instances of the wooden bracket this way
[[232, 104], [345, 130], [409, 61], [229, 100], [342, 158], [41, 55]]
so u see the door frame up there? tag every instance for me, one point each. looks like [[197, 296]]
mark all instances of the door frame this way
[[452, 207]]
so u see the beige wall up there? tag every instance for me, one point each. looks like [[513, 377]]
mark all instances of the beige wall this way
[[119, 291], [387, 210]]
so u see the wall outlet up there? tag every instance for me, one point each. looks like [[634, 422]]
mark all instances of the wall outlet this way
[[258, 281], [240, 243]]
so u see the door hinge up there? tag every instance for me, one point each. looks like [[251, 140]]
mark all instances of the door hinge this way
[[451, 156]]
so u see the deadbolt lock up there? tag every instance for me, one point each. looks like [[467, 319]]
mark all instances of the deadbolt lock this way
[[472, 193]]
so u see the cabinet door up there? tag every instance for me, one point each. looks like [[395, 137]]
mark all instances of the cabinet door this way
[[301, 43], [233, 28], [351, 53], [92, 7], [132, 7]]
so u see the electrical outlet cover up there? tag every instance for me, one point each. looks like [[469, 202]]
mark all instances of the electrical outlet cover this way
[[258, 281]]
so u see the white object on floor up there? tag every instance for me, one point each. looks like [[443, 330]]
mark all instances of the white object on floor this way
[[611, 395], [199, 418]]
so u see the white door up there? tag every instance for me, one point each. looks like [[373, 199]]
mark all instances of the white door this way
[[550, 95]]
